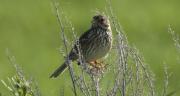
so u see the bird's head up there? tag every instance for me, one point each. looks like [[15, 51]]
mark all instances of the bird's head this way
[[100, 21]]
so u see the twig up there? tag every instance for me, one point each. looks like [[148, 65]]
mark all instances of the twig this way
[[122, 52], [166, 81], [147, 74], [62, 28], [175, 37], [95, 81]]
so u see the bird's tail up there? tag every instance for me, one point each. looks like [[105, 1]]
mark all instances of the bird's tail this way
[[59, 70]]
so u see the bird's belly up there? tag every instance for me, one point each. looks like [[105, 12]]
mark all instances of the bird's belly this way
[[98, 53], [98, 47]]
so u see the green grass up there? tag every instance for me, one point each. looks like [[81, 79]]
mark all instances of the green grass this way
[[30, 30]]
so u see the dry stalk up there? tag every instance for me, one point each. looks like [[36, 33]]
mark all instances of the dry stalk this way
[[62, 33]]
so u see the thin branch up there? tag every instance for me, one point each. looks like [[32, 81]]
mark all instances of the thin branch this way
[[147, 74], [166, 81], [175, 37], [95, 81], [122, 52], [62, 28]]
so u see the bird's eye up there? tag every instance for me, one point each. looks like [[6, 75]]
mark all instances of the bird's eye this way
[[102, 19]]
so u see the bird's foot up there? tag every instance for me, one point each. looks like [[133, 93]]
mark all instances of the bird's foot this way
[[97, 64], [97, 67]]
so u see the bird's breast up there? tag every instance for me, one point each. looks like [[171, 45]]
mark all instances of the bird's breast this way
[[101, 45]]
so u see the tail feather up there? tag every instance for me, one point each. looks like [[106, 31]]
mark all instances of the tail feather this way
[[59, 70]]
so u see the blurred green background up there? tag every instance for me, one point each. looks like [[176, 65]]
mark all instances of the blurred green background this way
[[30, 30]]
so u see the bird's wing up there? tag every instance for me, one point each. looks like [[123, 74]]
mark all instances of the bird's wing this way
[[82, 41], [85, 38]]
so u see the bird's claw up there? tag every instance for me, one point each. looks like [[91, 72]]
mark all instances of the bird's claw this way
[[97, 67]]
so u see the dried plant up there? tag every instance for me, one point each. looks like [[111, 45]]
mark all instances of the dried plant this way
[[18, 85], [131, 74], [175, 37]]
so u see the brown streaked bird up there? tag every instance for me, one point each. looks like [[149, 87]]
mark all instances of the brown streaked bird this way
[[94, 44]]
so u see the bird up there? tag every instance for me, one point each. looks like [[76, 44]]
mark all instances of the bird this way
[[93, 44]]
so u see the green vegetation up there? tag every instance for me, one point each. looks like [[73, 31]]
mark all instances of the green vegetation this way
[[18, 85], [30, 30]]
